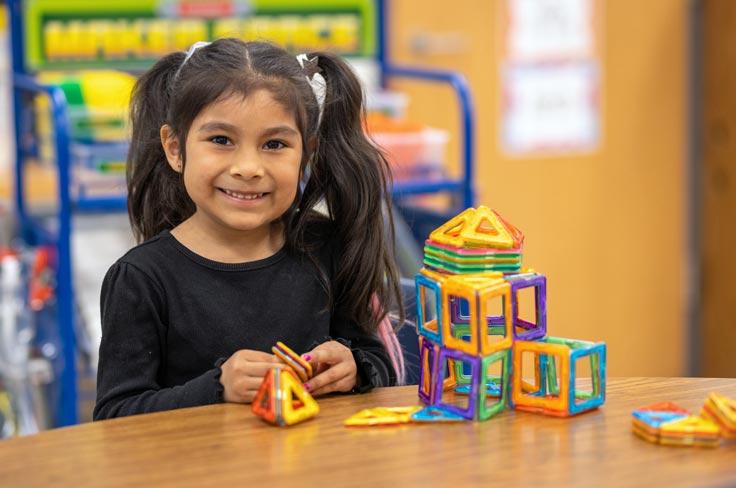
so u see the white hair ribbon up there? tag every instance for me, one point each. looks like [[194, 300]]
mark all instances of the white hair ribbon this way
[[315, 80], [191, 51]]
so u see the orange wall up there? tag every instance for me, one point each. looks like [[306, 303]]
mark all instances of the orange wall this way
[[608, 229]]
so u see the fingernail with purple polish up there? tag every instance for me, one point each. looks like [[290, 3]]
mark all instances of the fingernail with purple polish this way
[[307, 357]]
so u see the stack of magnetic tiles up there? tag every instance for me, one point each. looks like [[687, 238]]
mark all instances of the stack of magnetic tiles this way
[[455, 252], [722, 411], [472, 338], [669, 424]]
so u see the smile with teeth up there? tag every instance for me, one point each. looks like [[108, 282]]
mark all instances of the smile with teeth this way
[[242, 195]]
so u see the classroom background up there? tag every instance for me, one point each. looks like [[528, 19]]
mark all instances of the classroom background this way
[[602, 129]]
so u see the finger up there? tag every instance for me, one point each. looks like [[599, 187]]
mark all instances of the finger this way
[[317, 367], [251, 384], [331, 375], [343, 385], [257, 356], [276, 360], [249, 396], [259, 370], [324, 354], [243, 391], [320, 368]]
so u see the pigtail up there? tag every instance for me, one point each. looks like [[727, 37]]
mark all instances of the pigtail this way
[[353, 177], [157, 199]]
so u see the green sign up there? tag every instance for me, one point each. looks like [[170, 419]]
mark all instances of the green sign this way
[[131, 34]]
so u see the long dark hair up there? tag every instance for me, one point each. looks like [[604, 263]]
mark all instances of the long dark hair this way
[[347, 171]]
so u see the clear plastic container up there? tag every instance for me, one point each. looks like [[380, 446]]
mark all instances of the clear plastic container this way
[[99, 168], [388, 103], [414, 155]]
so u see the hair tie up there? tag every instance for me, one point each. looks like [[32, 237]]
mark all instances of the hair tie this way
[[191, 50], [315, 79]]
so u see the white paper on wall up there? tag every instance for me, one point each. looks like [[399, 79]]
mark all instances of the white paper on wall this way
[[551, 108], [545, 30]]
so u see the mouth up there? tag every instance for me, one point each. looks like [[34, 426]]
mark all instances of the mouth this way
[[243, 195]]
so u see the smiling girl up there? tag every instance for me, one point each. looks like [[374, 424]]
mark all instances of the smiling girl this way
[[233, 147]]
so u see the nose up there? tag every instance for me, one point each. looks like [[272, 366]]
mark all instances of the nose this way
[[246, 165]]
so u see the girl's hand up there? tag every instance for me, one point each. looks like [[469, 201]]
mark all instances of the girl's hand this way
[[243, 372], [334, 366]]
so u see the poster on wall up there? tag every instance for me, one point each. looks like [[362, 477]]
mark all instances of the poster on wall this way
[[550, 77], [551, 109], [546, 30]]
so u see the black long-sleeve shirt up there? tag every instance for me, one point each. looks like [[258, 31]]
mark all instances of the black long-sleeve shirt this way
[[170, 317]]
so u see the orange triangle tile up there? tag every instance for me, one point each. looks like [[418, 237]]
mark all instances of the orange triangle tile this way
[[516, 234], [264, 403], [663, 407]]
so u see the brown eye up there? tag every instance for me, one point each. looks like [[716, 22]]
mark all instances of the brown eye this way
[[274, 145], [221, 140]]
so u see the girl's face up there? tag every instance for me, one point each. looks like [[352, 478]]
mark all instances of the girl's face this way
[[242, 162]]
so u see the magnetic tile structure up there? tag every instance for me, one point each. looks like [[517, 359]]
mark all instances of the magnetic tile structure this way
[[478, 352], [282, 400]]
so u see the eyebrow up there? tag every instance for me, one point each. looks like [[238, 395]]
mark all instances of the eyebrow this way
[[224, 126], [281, 129], [215, 126]]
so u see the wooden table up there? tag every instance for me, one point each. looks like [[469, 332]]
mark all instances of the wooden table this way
[[225, 445]]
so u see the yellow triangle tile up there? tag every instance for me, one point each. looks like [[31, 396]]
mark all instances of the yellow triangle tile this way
[[293, 390], [478, 228], [449, 232], [382, 416], [486, 229], [455, 231]]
